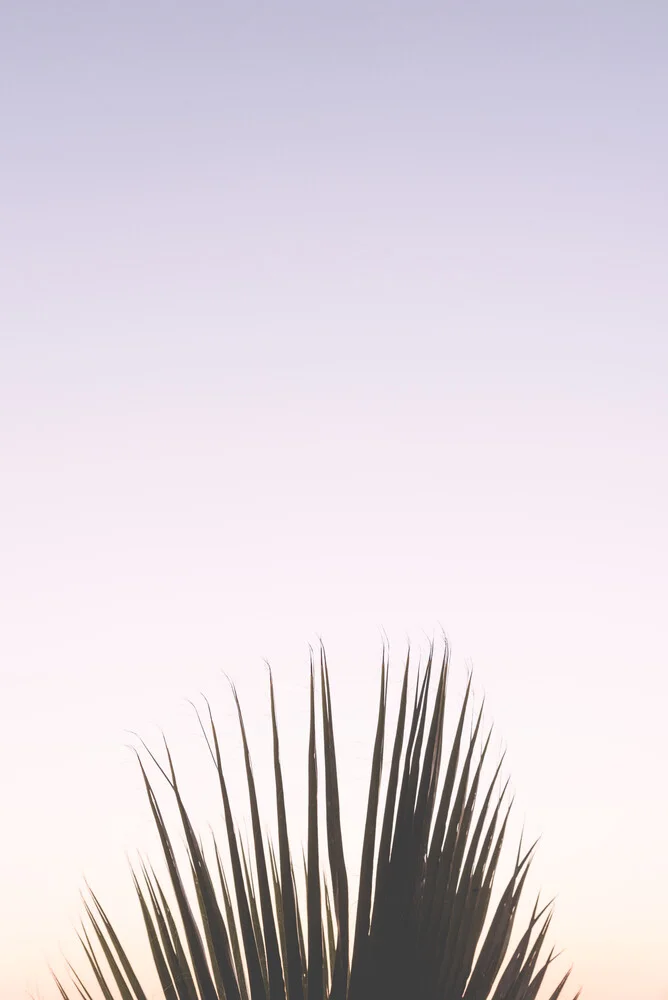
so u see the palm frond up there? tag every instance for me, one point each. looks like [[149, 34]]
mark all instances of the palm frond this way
[[424, 926]]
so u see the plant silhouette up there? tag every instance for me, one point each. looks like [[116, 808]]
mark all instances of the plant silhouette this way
[[426, 924]]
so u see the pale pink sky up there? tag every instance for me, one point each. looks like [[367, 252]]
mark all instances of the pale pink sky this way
[[318, 322]]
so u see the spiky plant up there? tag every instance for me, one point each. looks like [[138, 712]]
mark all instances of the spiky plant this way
[[424, 926]]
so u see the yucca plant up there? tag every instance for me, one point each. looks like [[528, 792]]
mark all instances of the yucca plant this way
[[426, 923]]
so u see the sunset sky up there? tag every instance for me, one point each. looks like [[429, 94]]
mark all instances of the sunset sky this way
[[333, 320]]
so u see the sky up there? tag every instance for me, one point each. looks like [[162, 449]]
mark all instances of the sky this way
[[333, 321]]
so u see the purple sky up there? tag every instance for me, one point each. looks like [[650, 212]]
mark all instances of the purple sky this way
[[317, 321]]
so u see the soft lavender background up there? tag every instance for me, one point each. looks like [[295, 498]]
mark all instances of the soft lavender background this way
[[319, 319]]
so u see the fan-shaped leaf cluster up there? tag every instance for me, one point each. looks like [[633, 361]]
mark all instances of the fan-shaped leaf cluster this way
[[427, 924]]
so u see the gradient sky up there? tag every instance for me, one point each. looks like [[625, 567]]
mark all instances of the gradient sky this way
[[318, 320]]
